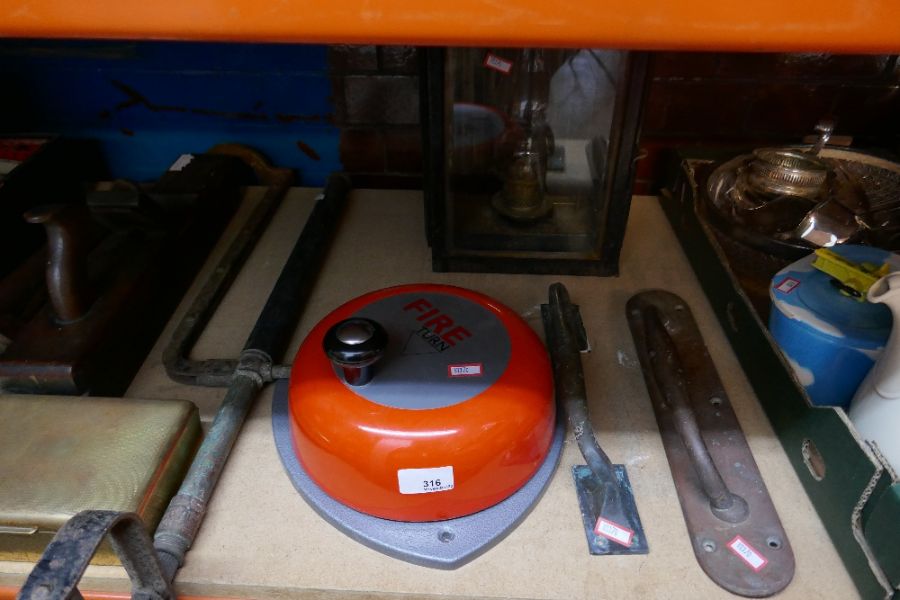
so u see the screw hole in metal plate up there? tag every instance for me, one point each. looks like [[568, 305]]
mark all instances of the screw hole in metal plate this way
[[774, 542], [715, 401], [708, 545], [446, 536], [813, 460]]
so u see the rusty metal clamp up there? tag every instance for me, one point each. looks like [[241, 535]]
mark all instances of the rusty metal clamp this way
[[218, 372], [57, 573]]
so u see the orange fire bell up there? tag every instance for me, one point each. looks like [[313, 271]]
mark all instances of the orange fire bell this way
[[421, 403]]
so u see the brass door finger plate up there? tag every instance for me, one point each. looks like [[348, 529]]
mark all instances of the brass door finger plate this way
[[735, 531]]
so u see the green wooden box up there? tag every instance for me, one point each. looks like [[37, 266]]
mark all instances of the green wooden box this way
[[855, 493]]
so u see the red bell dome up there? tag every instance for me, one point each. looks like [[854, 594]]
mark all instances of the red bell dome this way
[[421, 403]]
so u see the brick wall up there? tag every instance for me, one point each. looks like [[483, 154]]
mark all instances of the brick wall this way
[[753, 99], [376, 99], [693, 99]]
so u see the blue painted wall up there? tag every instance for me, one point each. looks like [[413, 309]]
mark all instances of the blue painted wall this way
[[148, 102]]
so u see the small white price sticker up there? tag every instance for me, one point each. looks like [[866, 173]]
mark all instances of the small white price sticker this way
[[501, 65], [425, 481], [787, 286], [747, 553], [181, 162], [467, 370], [614, 531]]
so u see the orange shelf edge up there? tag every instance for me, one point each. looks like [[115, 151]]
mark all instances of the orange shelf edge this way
[[847, 26], [9, 593]]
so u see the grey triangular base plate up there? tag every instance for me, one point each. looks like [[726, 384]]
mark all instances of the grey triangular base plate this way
[[439, 544]]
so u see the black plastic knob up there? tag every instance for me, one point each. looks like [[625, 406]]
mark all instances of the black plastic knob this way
[[354, 346]]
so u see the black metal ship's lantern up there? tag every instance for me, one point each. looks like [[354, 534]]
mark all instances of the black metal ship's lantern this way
[[529, 157]]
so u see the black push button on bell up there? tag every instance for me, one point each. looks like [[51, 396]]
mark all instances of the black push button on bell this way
[[354, 346]]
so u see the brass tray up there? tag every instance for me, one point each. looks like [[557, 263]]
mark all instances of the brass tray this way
[[63, 454]]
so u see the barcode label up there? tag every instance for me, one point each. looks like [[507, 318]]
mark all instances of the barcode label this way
[[425, 481], [747, 553], [614, 532], [467, 370], [181, 162], [787, 286], [501, 65]]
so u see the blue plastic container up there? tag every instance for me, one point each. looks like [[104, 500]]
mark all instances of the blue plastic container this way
[[830, 339]]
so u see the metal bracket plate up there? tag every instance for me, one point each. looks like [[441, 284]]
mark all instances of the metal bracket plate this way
[[591, 512], [608, 510], [752, 557]]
